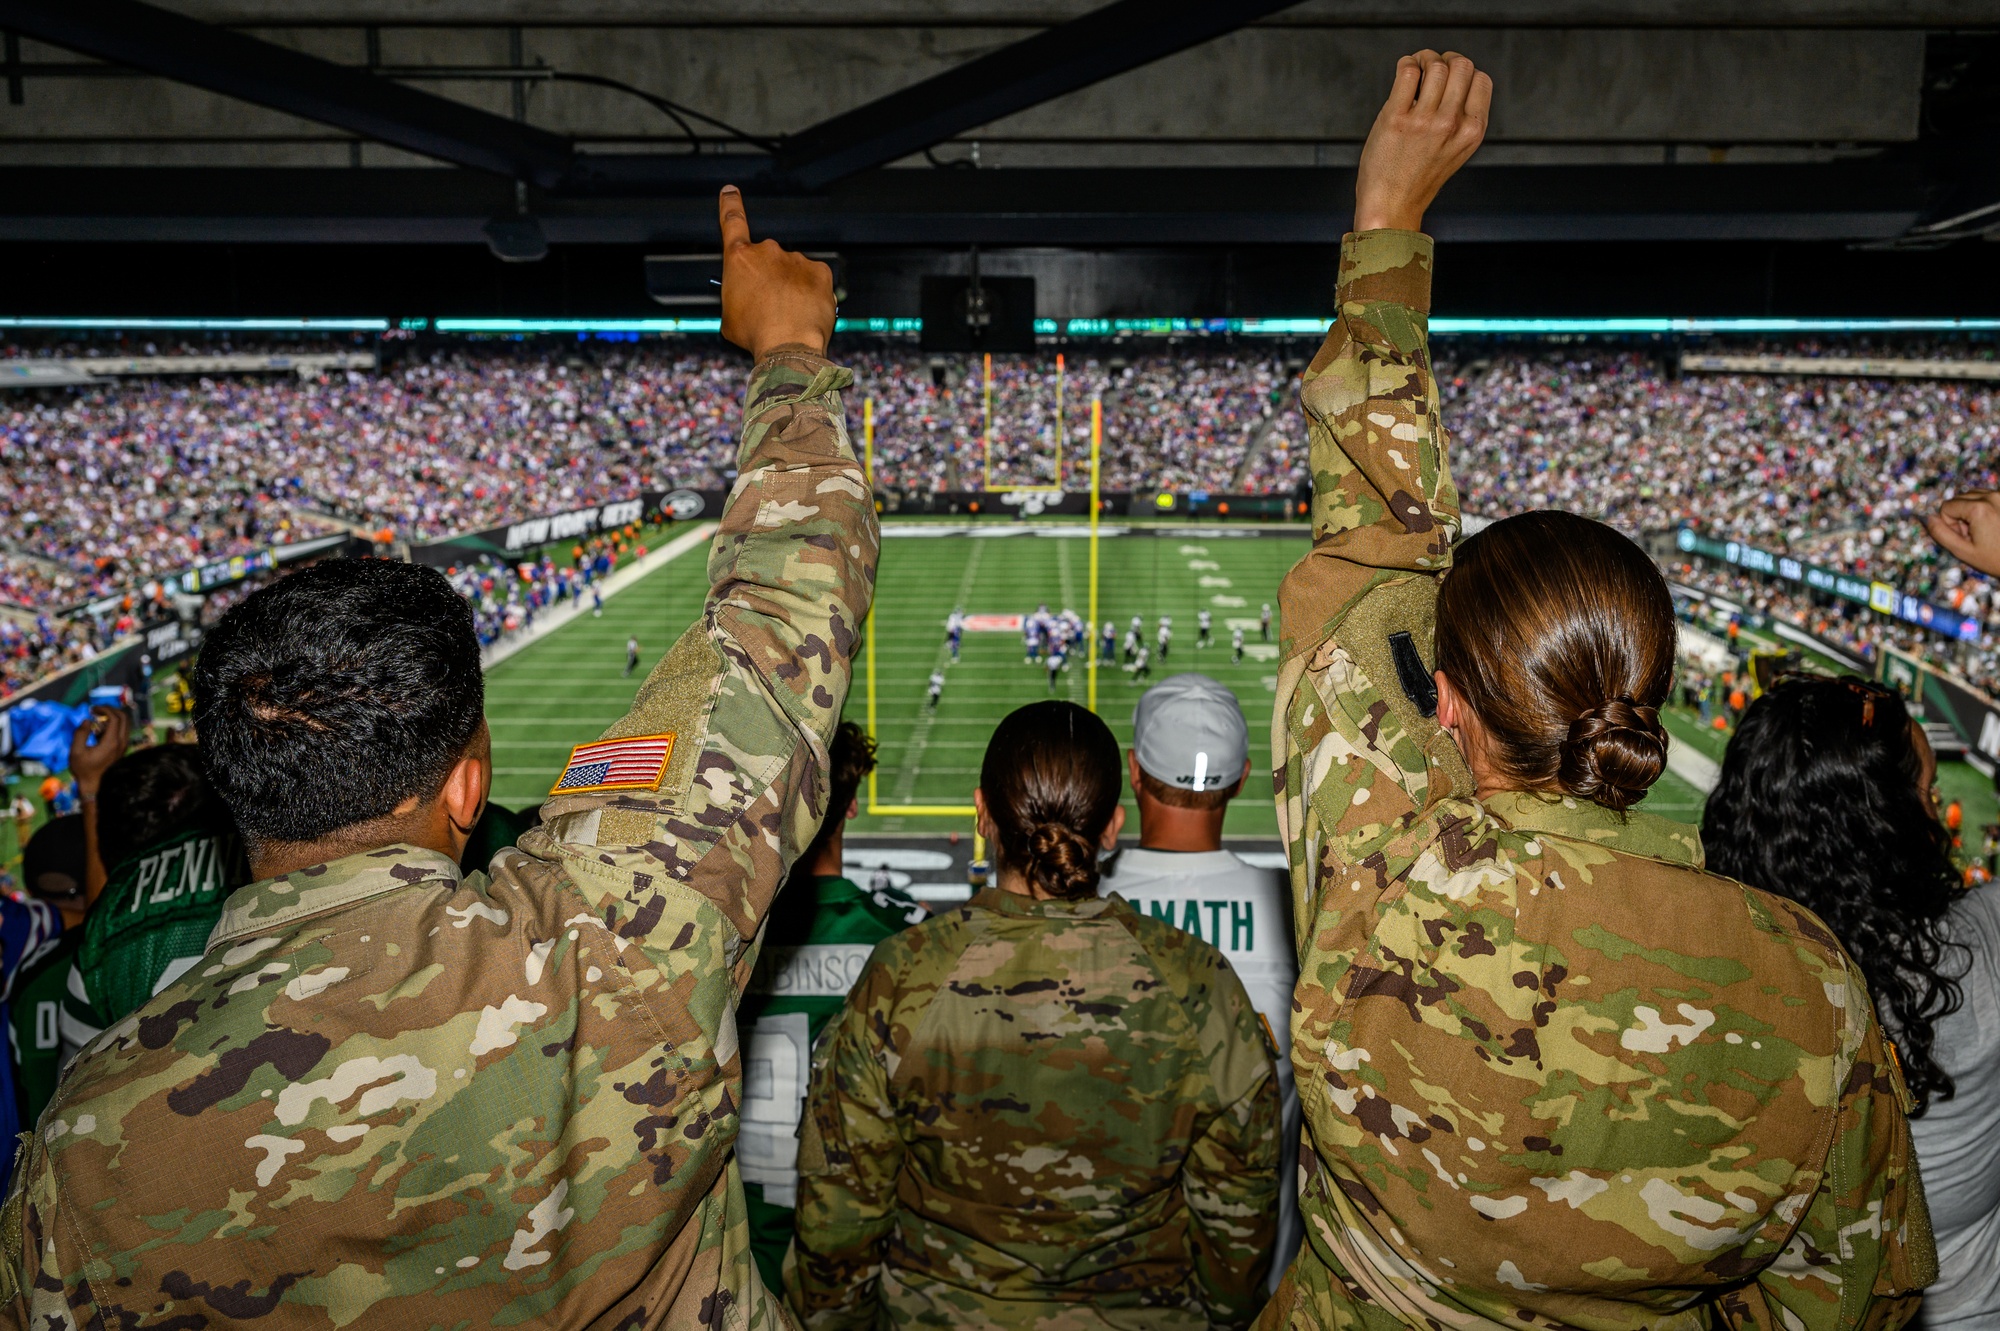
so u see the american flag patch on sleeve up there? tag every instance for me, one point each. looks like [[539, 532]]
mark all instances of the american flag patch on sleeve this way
[[637, 763]]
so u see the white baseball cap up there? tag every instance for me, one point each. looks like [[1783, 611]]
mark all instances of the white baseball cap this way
[[1188, 731]]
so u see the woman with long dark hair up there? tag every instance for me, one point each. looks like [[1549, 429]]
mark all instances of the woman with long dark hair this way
[[1553, 1073], [1827, 797], [1043, 1108]]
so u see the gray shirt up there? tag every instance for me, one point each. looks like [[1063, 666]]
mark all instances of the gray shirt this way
[[1958, 1140], [1245, 913]]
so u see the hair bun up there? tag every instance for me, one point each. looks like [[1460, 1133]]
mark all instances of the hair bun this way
[[1061, 861], [1613, 754]]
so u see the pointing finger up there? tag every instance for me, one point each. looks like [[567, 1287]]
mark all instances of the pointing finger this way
[[735, 223]]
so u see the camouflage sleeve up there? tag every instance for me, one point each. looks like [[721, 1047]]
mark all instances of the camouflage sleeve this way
[[1383, 500], [1231, 1177], [1863, 1250], [850, 1151], [745, 702]]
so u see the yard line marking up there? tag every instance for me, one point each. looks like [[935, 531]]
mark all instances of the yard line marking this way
[[920, 733]]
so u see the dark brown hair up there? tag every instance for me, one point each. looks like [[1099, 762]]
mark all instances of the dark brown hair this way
[[852, 755], [1051, 781], [1559, 633]]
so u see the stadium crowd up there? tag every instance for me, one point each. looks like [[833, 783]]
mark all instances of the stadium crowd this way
[[130, 480]]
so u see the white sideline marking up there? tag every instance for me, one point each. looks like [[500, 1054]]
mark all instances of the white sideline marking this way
[[1692, 766], [548, 621]]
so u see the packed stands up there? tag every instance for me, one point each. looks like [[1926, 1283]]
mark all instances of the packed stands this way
[[112, 485]]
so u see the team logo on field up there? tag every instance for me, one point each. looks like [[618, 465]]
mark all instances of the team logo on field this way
[[683, 504]]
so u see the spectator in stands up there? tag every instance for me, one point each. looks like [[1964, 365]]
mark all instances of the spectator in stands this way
[[1190, 757], [1827, 797], [63, 872], [1510, 976], [174, 858], [823, 926], [1000, 1130], [34, 950], [70, 878]]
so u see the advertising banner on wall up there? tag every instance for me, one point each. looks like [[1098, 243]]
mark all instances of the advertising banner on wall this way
[[1877, 596], [168, 641], [1944, 698], [519, 540]]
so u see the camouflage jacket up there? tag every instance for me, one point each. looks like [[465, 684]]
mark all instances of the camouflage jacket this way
[[1051, 1114], [1552, 1074], [392, 1097]]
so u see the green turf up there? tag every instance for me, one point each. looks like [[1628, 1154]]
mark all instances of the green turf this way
[[567, 687], [564, 689], [933, 757]]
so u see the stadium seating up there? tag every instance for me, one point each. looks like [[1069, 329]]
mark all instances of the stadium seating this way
[[105, 488]]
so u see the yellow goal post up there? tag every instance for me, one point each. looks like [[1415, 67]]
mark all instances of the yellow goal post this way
[[875, 805]]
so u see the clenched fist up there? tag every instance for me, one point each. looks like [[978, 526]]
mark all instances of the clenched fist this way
[[1969, 527], [1434, 120]]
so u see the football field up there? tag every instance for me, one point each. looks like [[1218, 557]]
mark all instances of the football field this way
[[567, 687]]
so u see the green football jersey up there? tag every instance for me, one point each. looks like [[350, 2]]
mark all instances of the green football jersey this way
[[817, 945], [150, 925], [35, 1015]]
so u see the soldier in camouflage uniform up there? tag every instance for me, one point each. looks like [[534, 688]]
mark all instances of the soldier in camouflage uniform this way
[[391, 1096], [1553, 1074], [1043, 1109]]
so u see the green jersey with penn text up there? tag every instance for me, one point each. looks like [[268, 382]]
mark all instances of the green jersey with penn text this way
[[150, 924]]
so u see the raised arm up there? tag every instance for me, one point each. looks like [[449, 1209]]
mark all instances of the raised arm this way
[[685, 857], [850, 1153], [97, 744], [1383, 501]]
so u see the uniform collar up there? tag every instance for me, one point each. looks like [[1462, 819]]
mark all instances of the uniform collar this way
[[1633, 832], [272, 903], [1002, 902]]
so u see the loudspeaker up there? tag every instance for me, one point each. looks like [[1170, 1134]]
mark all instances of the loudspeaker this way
[[997, 315]]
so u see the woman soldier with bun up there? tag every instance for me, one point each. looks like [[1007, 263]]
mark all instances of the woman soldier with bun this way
[[1043, 1108], [1553, 1074]]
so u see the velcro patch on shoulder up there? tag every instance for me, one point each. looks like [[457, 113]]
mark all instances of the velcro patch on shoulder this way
[[637, 762]]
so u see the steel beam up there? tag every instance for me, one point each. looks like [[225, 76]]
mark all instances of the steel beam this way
[[1855, 200], [205, 56], [1103, 43]]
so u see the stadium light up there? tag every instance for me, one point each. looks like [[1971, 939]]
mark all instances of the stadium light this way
[[219, 325], [1440, 326]]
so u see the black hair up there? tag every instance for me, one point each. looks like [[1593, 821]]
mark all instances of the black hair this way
[[147, 796], [852, 754], [1051, 780], [53, 863], [333, 695], [1819, 802]]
